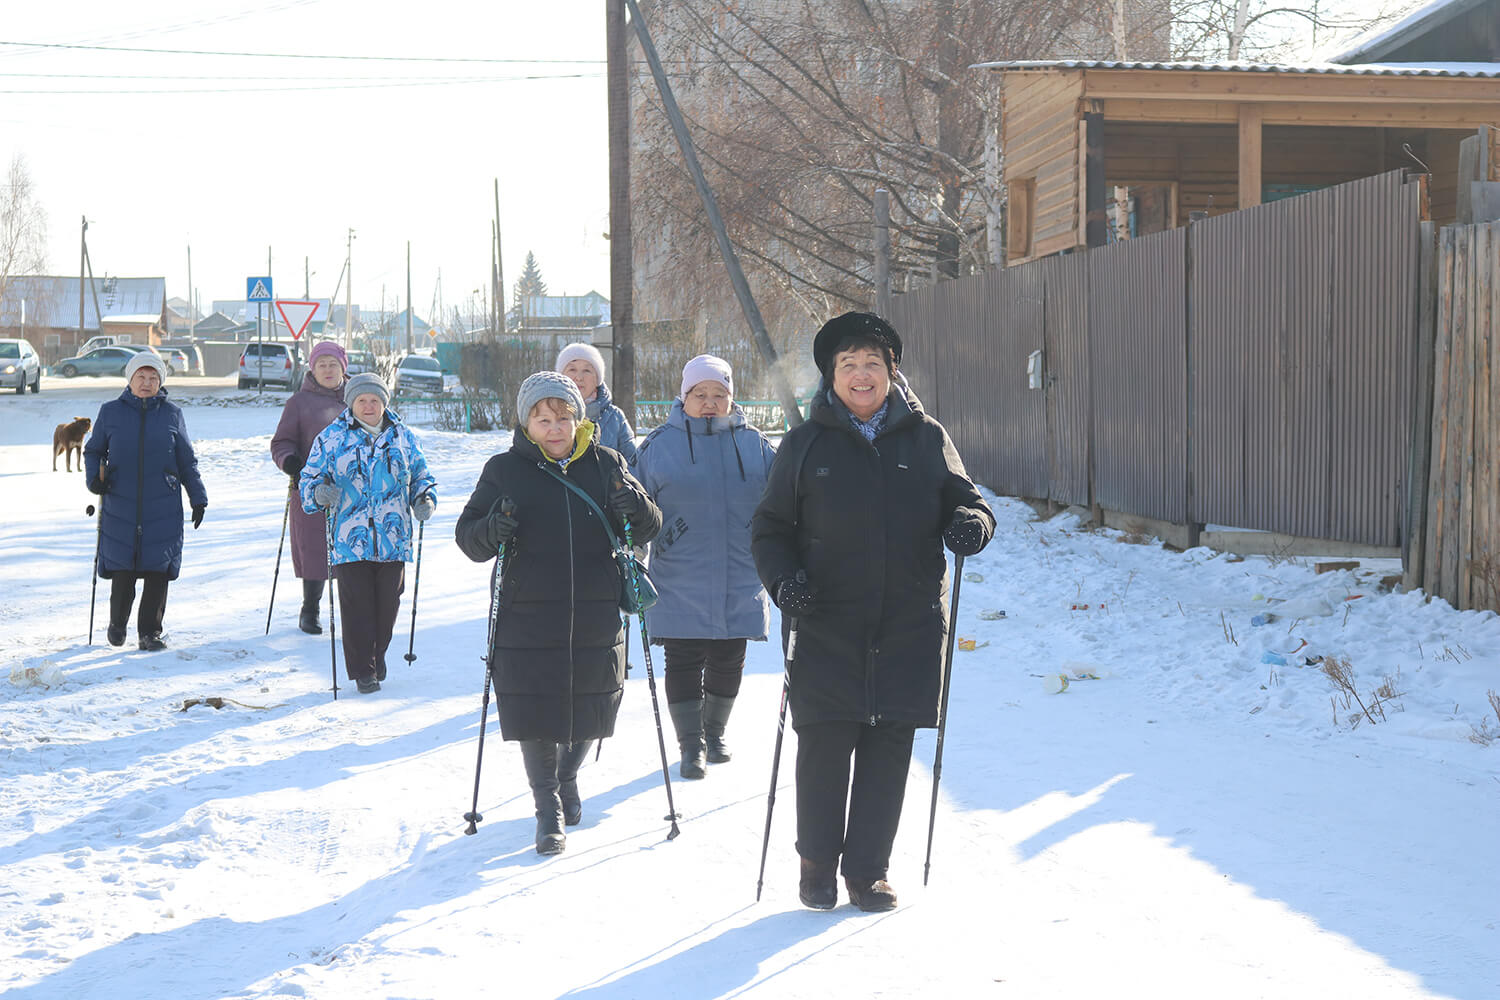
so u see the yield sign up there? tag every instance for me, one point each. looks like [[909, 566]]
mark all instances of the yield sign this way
[[296, 315]]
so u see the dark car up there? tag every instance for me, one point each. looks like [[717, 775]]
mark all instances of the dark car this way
[[418, 375], [99, 361]]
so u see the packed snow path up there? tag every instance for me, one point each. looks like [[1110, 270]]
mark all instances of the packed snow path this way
[[1186, 819]]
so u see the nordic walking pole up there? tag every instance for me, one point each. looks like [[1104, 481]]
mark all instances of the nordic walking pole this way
[[661, 741], [937, 759], [786, 687], [416, 588], [285, 513], [506, 507], [333, 662], [98, 536]]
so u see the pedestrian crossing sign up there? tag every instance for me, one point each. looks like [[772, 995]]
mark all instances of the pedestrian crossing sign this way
[[258, 289]]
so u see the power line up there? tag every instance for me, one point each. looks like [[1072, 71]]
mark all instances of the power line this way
[[445, 82], [296, 55]]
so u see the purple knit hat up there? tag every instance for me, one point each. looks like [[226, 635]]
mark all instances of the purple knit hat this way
[[328, 349]]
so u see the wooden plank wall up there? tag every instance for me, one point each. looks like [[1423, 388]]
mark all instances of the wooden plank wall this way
[[1460, 554], [1040, 140]]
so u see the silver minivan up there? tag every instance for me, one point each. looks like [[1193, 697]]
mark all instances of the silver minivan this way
[[19, 366], [270, 363]]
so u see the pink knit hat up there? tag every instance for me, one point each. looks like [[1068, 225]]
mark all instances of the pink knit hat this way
[[328, 349]]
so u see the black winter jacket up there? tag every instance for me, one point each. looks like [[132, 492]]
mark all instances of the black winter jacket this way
[[866, 522], [558, 662]]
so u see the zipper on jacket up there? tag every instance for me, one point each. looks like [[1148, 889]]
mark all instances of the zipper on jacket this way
[[140, 490], [572, 607]]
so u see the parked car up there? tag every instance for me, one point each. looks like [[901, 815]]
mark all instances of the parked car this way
[[418, 375], [361, 362], [99, 361], [19, 366], [271, 364], [176, 358]]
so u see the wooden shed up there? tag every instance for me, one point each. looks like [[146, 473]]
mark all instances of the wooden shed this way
[[1101, 150]]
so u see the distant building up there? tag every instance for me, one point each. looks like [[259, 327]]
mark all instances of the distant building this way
[[45, 310], [557, 320]]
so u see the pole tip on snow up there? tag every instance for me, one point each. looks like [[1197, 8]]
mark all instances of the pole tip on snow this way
[[474, 820]]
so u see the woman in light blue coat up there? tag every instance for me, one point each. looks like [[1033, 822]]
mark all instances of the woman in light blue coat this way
[[706, 469], [585, 366]]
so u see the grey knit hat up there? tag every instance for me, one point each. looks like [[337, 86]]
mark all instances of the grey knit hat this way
[[547, 385], [366, 383]]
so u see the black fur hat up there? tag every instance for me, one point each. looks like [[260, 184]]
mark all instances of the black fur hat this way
[[853, 323]]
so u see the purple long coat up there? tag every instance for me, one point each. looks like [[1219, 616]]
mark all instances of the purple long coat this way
[[307, 412]]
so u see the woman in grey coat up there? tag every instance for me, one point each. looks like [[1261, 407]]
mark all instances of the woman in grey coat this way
[[706, 469]]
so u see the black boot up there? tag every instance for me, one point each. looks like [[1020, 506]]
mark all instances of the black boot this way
[[687, 719], [871, 894], [818, 888], [312, 599], [153, 643], [115, 634], [540, 758], [716, 709], [569, 760]]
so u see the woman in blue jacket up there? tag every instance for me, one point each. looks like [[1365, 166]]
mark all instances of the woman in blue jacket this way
[[139, 460], [706, 469], [585, 366], [367, 472]]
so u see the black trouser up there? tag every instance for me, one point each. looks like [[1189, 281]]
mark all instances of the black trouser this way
[[153, 601], [696, 666], [369, 597], [881, 756]]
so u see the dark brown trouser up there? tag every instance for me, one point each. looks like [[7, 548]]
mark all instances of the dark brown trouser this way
[[153, 601], [698, 666], [369, 597], [881, 755]]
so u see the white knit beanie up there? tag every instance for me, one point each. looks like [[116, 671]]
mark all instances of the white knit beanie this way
[[145, 359], [584, 352], [706, 368]]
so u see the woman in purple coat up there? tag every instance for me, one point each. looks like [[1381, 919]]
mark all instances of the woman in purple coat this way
[[307, 412]]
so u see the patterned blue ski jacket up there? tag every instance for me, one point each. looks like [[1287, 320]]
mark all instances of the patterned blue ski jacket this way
[[379, 477], [614, 429]]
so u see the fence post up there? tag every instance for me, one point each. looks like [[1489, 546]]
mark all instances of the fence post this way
[[1420, 461]]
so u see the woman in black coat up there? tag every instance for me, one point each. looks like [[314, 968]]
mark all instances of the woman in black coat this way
[[849, 541], [558, 660], [139, 460]]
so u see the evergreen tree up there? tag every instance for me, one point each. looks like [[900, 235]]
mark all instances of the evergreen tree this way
[[528, 284]]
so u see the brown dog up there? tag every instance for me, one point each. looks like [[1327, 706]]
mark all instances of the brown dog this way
[[67, 439]]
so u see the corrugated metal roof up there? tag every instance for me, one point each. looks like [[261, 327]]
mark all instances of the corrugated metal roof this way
[[52, 301], [1452, 69], [1376, 43]]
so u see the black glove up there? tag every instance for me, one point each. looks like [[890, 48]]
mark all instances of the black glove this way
[[198, 509], [500, 529], [793, 596], [292, 466], [964, 535], [624, 502], [100, 484]]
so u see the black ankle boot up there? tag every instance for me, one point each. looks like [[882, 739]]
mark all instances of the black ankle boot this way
[[871, 894], [716, 709], [540, 759], [312, 599], [569, 760], [818, 887], [687, 719]]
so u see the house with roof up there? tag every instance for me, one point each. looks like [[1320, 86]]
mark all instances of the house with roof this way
[[57, 313], [1099, 150]]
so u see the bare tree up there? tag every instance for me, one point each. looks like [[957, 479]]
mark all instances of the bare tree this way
[[23, 231], [1270, 29]]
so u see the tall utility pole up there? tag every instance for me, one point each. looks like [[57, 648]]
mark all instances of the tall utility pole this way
[[83, 249], [191, 323], [408, 296], [499, 268], [493, 320], [349, 290], [621, 276]]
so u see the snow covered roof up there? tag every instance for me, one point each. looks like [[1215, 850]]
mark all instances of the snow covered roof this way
[[52, 300], [1451, 69], [1382, 41]]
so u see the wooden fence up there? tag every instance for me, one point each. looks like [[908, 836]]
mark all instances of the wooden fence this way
[[1454, 552]]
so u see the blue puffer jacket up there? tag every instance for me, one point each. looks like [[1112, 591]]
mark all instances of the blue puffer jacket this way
[[707, 476], [379, 476], [614, 429], [144, 444]]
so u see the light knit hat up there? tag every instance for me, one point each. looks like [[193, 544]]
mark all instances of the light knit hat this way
[[581, 352], [706, 368], [145, 359], [367, 382], [547, 385]]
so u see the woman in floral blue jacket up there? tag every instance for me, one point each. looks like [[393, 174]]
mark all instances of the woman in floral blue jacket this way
[[367, 471]]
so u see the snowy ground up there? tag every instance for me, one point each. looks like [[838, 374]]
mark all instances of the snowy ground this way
[[1196, 822]]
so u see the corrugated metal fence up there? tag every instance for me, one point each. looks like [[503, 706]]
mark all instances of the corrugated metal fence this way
[[1254, 370]]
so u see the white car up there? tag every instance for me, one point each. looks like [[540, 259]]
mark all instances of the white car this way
[[19, 366], [418, 375]]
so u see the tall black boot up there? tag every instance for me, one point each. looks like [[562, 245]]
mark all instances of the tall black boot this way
[[687, 719], [312, 600], [569, 760], [540, 758], [716, 709]]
